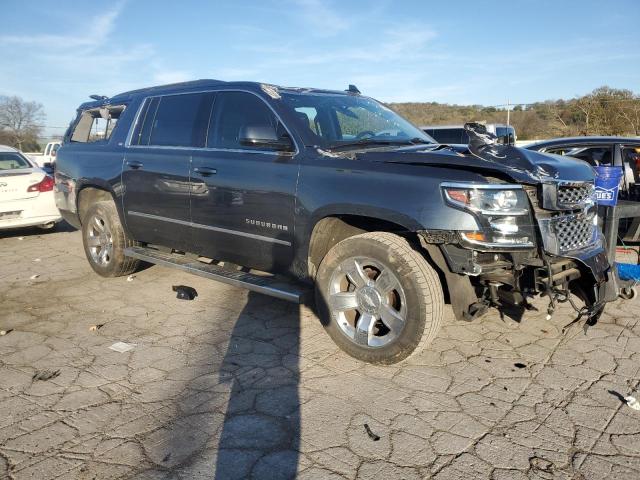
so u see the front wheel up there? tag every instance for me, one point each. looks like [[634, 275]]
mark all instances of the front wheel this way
[[104, 241], [378, 298]]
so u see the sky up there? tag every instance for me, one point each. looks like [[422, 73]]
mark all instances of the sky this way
[[463, 52]]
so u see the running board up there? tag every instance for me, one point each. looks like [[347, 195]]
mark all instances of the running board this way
[[261, 284]]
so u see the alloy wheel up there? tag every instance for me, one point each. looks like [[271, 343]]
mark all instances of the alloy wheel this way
[[368, 302]]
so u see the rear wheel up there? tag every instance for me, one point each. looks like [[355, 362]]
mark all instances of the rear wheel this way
[[378, 298], [104, 241]]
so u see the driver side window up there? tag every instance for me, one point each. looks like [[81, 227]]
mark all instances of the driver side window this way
[[231, 112]]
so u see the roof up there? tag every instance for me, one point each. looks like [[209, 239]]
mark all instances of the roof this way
[[461, 126], [196, 85], [584, 139], [7, 148]]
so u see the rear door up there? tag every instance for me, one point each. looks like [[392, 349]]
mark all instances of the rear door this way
[[243, 198], [156, 173]]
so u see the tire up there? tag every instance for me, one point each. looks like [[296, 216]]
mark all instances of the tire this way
[[104, 241], [378, 298]]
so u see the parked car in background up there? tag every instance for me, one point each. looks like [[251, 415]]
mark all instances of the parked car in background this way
[[26, 192], [46, 160], [50, 152], [456, 134], [620, 151]]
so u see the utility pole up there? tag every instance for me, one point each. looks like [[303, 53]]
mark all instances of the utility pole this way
[[508, 112]]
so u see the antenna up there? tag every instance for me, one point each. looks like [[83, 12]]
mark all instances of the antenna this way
[[98, 97], [353, 89]]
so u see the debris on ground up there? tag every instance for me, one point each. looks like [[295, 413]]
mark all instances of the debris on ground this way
[[541, 464], [93, 328], [36, 260], [122, 347], [519, 365], [20, 238], [184, 292], [130, 278], [372, 435], [33, 277], [632, 402], [45, 375], [5, 332]]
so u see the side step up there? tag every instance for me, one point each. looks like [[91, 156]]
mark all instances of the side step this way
[[267, 285]]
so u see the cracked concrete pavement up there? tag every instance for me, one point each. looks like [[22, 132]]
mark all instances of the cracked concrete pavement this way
[[236, 385]]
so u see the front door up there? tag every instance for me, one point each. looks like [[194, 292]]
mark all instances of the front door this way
[[243, 199], [156, 170]]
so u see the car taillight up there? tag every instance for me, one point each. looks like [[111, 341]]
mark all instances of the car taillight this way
[[46, 185]]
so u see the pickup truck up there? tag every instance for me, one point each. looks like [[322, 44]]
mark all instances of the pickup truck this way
[[48, 158], [330, 193]]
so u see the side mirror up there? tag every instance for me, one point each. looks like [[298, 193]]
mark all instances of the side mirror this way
[[266, 137]]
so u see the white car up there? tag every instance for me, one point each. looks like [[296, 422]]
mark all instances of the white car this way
[[26, 192]]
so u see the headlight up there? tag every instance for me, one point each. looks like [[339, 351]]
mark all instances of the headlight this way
[[502, 212], [489, 200]]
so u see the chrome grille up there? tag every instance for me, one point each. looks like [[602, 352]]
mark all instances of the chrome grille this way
[[574, 231], [574, 194]]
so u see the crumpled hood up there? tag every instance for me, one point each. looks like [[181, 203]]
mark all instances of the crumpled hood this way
[[523, 166]]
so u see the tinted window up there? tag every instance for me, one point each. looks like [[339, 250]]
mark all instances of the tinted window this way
[[180, 120], [145, 122], [450, 135], [234, 110]]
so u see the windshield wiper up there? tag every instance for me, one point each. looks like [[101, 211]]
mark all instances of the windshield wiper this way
[[368, 142]]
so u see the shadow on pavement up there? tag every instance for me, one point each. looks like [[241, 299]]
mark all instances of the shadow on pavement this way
[[261, 431], [62, 227]]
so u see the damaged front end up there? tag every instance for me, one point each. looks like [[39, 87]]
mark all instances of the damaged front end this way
[[538, 237]]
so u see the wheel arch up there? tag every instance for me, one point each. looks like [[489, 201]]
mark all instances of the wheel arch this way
[[332, 228], [89, 193]]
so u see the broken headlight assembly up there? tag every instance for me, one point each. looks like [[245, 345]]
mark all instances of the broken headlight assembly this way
[[501, 211]]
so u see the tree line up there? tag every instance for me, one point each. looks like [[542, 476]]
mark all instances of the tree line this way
[[604, 111], [21, 123]]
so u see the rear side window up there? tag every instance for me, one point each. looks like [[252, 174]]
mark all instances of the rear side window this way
[[174, 120], [97, 124], [13, 161], [232, 112]]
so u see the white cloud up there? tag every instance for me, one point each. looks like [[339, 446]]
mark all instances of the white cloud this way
[[94, 36]]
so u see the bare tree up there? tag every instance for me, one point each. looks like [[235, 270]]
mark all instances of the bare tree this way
[[20, 121], [630, 113]]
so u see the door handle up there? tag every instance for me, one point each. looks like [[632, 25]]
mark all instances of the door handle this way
[[134, 164], [205, 171]]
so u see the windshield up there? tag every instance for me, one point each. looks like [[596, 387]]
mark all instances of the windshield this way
[[334, 120], [13, 161]]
